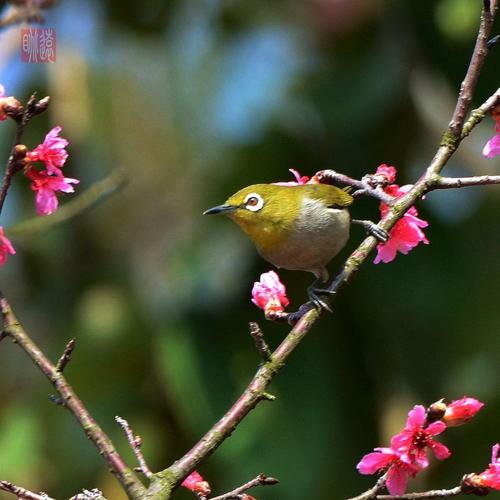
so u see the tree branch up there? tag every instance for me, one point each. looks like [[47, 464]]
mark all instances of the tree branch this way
[[260, 480], [260, 342], [163, 482], [22, 493], [372, 492], [13, 329], [136, 443], [66, 355], [476, 63], [453, 492], [460, 182]]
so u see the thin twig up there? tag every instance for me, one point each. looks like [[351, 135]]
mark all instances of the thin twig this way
[[136, 443], [260, 480], [479, 113], [22, 493], [372, 492], [453, 492], [460, 182], [12, 166], [66, 355], [260, 343], [365, 186], [476, 63], [134, 488]]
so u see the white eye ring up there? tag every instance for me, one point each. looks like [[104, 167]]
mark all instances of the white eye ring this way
[[254, 202]]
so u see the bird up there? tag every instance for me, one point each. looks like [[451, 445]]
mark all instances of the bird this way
[[299, 227]]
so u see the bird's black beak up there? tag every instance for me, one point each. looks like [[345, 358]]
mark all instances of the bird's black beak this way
[[220, 209]]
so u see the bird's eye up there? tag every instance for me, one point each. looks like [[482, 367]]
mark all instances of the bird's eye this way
[[254, 202]]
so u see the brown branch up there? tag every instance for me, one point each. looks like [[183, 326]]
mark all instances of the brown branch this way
[[260, 480], [476, 63], [260, 343], [368, 186], [165, 481], [479, 113], [460, 182], [13, 329], [372, 492], [66, 355], [136, 443], [453, 492], [15, 161], [22, 493]]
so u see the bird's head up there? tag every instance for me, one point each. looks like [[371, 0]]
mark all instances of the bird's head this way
[[266, 212]]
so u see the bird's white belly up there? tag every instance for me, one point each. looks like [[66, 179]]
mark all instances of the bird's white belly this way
[[318, 235]]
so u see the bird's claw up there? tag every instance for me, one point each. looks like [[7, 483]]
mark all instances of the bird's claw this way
[[317, 301], [381, 234], [374, 230]]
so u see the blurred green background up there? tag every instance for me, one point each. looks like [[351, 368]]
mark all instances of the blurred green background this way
[[194, 100]]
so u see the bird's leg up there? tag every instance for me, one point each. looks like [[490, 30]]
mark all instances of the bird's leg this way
[[381, 234], [314, 291]]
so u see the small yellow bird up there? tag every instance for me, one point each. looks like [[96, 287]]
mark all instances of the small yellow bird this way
[[299, 227]]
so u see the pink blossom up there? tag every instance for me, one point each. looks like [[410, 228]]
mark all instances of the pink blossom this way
[[406, 233], [461, 411], [387, 172], [46, 186], [269, 293], [52, 152], [299, 180], [6, 247], [399, 469], [196, 483], [492, 147], [413, 440], [490, 478]]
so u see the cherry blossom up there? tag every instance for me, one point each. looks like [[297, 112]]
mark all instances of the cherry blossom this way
[[399, 469], [46, 187], [52, 152], [407, 232], [413, 440]]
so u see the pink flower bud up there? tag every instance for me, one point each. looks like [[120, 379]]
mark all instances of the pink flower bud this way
[[196, 483], [269, 293], [461, 411]]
